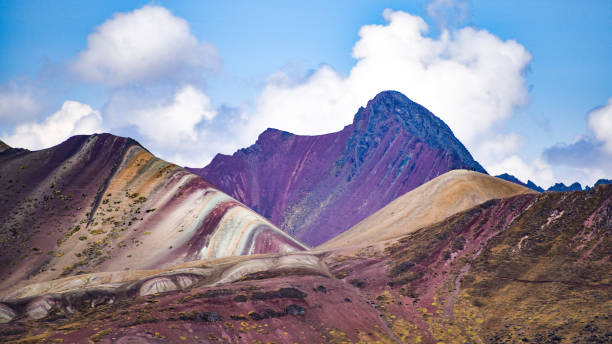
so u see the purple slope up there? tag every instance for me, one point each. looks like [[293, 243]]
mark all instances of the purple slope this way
[[316, 187]]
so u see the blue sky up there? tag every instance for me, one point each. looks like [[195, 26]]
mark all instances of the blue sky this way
[[242, 66]]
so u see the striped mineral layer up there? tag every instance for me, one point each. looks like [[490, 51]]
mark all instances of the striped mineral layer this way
[[104, 203]]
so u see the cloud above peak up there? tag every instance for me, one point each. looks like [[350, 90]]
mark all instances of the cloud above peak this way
[[470, 78], [146, 45], [170, 122], [73, 118]]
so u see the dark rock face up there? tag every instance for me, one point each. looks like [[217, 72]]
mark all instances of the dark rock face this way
[[316, 187], [603, 182]]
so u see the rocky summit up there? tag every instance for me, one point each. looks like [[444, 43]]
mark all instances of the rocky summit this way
[[316, 187]]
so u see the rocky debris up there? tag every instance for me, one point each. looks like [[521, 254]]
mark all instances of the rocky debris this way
[[6, 313], [295, 310], [209, 316], [358, 282], [185, 281], [240, 298], [157, 285], [282, 293], [270, 313], [40, 307]]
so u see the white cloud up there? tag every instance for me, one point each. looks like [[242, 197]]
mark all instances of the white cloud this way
[[448, 12], [17, 106], [147, 44], [600, 122], [73, 118], [470, 78], [168, 122], [538, 170], [499, 145]]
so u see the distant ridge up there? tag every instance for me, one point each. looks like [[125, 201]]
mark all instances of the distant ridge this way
[[531, 185], [558, 187], [316, 187]]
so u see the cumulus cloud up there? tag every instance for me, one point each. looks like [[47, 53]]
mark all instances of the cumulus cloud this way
[[589, 157], [73, 118], [470, 78], [500, 145], [538, 170], [17, 105], [170, 122], [584, 151], [600, 122], [147, 44]]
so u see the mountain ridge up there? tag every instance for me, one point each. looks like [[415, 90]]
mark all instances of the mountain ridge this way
[[103, 202], [315, 187], [557, 187]]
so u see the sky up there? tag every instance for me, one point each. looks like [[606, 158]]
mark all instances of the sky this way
[[525, 85]]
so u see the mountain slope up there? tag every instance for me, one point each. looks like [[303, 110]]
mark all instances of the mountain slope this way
[[533, 268], [3, 146], [316, 187], [104, 203], [432, 202]]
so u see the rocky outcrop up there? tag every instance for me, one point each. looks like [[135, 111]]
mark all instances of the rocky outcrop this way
[[316, 187]]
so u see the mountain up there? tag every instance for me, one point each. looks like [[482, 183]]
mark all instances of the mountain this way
[[432, 202], [532, 268], [104, 203], [558, 187], [562, 187], [316, 187], [531, 185]]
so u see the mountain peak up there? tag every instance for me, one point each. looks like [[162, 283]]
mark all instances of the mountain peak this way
[[391, 113], [301, 183]]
